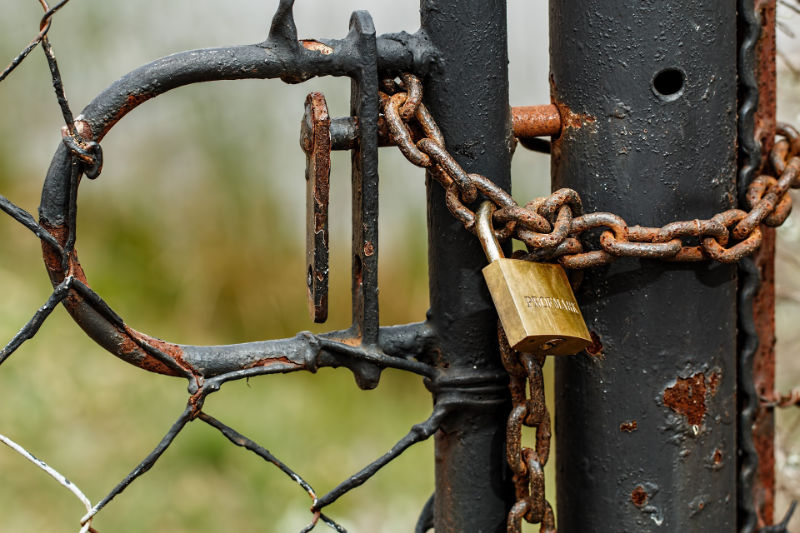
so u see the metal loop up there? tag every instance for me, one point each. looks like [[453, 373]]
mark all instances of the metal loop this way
[[525, 218], [429, 125], [452, 199], [533, 465], [756, 192], [775, 195], [516, 515], [88, 152], [718, 252], [561, 229], [779, 155], [553, 203], [400, 133], [437, 153], [652, 250], [514, 439], [591, 259], [570, 246], [791, 134], [413, 89], [600, 220]]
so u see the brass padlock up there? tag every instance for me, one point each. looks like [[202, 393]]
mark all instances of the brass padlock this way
[[534, 301]]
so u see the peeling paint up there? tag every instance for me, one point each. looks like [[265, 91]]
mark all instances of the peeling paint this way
[[639, 496], [316, 46], [572, 120], [687, 397]]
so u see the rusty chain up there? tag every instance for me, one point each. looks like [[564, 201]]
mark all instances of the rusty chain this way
[[551, 228], [527, 464]]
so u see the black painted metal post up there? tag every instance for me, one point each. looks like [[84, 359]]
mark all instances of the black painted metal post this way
[[646, 431], [467, 92]]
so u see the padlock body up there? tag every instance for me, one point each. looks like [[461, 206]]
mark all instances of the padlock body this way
[[537, 307]]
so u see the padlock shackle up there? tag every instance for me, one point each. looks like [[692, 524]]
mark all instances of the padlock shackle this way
[[485, 231]]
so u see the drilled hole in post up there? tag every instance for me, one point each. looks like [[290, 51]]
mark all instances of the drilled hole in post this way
[[668, 84]]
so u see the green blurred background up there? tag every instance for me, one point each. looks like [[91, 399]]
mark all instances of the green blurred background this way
[[195, 233]]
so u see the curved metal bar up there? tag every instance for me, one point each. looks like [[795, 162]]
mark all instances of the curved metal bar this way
[[281, 56], [425, 520]]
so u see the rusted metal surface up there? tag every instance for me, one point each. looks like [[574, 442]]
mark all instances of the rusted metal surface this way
[[527, 122], [572, 120], [536, 121], [552, 227], [687, 397], [650, 162], [757, 323], [763, 429], [527, 464], [315, 139]]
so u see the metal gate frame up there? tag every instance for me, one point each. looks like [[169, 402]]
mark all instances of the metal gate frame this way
[[665, 423]]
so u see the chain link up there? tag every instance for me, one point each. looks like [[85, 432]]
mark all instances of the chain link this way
[[527, 464], [551, 227]]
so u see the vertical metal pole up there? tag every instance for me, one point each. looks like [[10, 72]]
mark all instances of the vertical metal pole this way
[[467, 92], [757, 124], [646, 430]]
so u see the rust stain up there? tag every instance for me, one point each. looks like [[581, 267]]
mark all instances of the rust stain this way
[[52, 259], [83, 129], [572, 120], [765, 117], [147, 362], [128, 345], [316, 46], [132, 101], [350, 341], [713, 383], [173, 351], [369, 249], [763, 429], [688, 398], [764, 377], [639, 496], [717, 457], [629, 427], [595, 349]]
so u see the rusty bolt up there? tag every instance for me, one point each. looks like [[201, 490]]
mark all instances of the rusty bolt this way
[[528, 122]]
